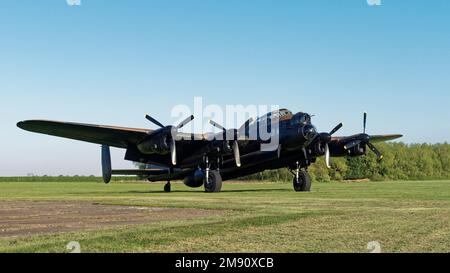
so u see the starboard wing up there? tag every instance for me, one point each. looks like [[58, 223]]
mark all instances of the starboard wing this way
[[114, 136]]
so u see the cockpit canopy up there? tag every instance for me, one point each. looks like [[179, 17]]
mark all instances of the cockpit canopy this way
[[285, 114], [277, 115], [301, 118]]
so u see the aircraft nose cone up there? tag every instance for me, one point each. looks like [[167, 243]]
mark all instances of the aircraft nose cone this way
[[309, 132]]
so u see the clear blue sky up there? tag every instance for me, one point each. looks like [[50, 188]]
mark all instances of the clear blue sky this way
[[110, 62]]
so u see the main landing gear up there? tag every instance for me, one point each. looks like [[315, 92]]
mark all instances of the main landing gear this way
[[213, 180], [302, 180], [168, 186]]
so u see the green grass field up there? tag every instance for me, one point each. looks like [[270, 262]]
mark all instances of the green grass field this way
[[255, 217]]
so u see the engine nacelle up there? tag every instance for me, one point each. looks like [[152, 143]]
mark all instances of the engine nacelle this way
[[338, 149], [221, 146], [358, 150], [156, 144], [195, 180]]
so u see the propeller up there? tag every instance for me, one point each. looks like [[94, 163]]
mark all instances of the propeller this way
[[244, 127], [174, 132], [327, 156], [154, 121], [173, 151], [364, 122], [235, 146], [338, 127], [375, 150], [367, 140], [237, 155], [185, 122], [364, 139], [326, 137], [217, 125]]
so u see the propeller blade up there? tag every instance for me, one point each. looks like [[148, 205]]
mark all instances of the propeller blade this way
[[327, 156], [246, 124], [154, 121], [352, 144], [237, 155], [186, 121], [173, 152], [375, 150], [242, 131], [364, 122], [339, 126], [217, 125], [305, 153]]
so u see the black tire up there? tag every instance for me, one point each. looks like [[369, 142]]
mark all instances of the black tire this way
[[214, 182], [303, 183], [167, 187]]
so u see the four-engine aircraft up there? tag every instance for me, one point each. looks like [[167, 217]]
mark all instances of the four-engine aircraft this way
[[208, 159]]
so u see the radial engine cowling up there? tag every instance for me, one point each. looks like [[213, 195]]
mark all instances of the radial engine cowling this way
[[319, 148], [358, 150], [156, 144]]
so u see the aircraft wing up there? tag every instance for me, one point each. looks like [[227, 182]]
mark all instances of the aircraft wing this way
[[114, 136], [373, 138], [383, 138], [342, 146]]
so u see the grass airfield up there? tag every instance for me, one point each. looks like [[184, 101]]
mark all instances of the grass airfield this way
[[402, 216]]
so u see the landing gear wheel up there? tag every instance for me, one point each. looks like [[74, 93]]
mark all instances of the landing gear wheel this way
[[303, 183], [167, 187], [214, 182]]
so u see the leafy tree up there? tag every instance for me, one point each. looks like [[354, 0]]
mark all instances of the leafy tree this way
[[401, 162]]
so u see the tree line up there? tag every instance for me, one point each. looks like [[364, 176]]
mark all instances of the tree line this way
[[401, 162]]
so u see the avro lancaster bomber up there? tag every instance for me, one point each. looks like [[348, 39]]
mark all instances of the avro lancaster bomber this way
[[208, 159]]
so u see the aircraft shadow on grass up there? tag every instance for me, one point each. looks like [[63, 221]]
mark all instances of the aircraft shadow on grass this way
[[224, 191]]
